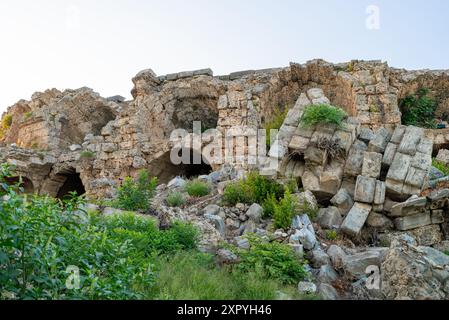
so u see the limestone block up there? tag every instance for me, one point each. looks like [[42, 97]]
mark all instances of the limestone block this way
[[437, 216], [354, 161], [330, 180], [379, 196], [302, 101], [413, 222], [389, 154], [310, 181], [443, 156], [425, 146], [315, 155], [415, 178], [366, 135], [380, 141], [299, 143], [356, 218], [422, 161], [346, 139], [411, 207], [315, 93], [398, 134], [343, 201], [412, 137], [299, 169], [330, 218], [379, 221], [365, 189], [399, 168], [372, 163], [438, 199]]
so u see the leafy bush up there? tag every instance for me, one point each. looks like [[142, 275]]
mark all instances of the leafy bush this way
[[136, 194], [441, 166], [175, 199], [254, 189], [269, 205], [284, 211], [197, 189], [275, 123], [323, 114], [42, 237], [306, 208], [419, 110], [275, 260]]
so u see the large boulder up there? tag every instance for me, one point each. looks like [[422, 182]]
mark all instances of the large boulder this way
[[410, 272]]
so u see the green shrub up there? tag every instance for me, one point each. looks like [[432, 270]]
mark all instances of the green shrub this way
[[419, 110], [87, 155], [308, 209], [269, 205], [237, 192], [27, 115], [41, 237], [5, 124], [275, 123], [6, 121], [253, 189], [441, 166], [136, 194], [273, 259], [175, 199], [331, 235], [323, 114], [197, 189], [446, 253], [284, 211]]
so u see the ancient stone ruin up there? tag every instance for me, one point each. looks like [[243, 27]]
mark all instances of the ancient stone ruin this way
[[380, 185]]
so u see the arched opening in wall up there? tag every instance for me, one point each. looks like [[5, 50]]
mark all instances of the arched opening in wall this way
[[188, 110], [26, 184], [70, 182], [165, 170]]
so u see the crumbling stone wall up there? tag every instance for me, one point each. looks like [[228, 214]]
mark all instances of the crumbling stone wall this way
[[105, 140], [54, 120]]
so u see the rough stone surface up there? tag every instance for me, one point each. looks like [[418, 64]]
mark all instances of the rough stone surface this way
[[330, 218], [365, 189], [372, 163], [337, 256], [356, 265], [420, 276], [343, 201], [356, 218]]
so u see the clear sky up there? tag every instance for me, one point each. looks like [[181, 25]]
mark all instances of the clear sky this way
[[102, 44]]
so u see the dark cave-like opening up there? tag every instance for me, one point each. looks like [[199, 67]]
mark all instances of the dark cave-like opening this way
[[73, 183], [165, 170]]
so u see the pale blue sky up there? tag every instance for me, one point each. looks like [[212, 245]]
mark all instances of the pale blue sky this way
[[104, 43]]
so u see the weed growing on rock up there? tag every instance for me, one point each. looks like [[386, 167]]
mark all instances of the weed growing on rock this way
[[175, 199], [323, 114], [197, 189], [275, 123]]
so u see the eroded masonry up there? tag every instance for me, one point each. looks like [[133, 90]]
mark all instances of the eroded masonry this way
[[379, 184]]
